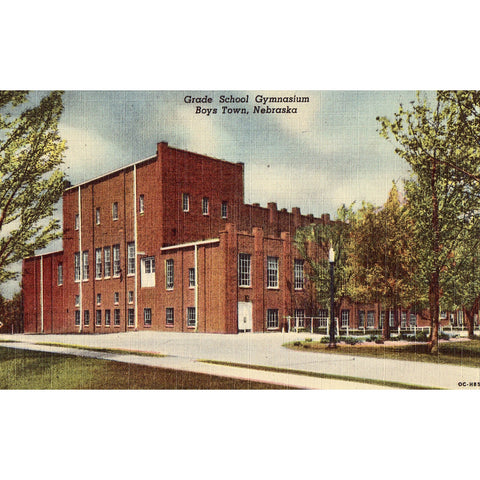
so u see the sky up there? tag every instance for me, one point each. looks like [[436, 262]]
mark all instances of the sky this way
[[326, 154]]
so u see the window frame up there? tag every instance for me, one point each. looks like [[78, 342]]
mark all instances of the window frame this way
[[116, 317], [130, 317], [98, 318], [107, 262], [115, 211], [98, 263], [108, 317], [168, 311], [141, 203], [191, 316], [185, 202], [145, 312], [97, 216], [245, 270], [272, 272], [77, 318], [272, 319], [169, 273], [86, 318], [224, 210], [85, 265], [131, 267], [298, 274], [60, 274], [77, 267], [191, 278], [116, 261], [205, 206]]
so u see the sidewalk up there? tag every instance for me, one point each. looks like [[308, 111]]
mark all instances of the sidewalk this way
[[183, 351]]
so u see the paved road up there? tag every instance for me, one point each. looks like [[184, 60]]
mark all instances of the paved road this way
[[257, 349]]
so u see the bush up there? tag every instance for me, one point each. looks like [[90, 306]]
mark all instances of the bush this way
[[325, 340], [352, 340], [308, 340], [297, 344]]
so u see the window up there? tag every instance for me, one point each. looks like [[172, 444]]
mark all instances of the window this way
[[191, 317], [224, 211], [298, 278], [272, 272], [141, 204], [130, 296], [147, 270], [115, 211], [108, 318], [116, 298], [116, 260], [86, 318], [272, 318], [147, 317], [77, 300], [205, 206], [99, 298], [244, 269], [186, 202], [413, 320], [382, 320], [98, 318], [77, 221], [361, 319], [98, 263], [299, 318], [460, 317], [403, 320], [116, 317], [345, 318], [370, 319], [107, 262], [131, 317], [191, 277], [169, 316], [77, 266], [77, 318], [60, 274], [169, 273], [323, 314], [85, 264], [391, 318], [97, 216], [131, 258]]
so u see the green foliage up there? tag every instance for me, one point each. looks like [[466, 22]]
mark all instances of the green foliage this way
[[31, 182]]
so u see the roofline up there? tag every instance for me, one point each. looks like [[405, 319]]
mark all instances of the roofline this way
[[110, 173], [191, 244], [44, 254]]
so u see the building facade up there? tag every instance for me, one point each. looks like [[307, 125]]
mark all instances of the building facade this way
[[168, 244]]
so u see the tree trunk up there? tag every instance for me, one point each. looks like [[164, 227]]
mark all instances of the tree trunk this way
[[434, 313], [470, 315], [386, 327]]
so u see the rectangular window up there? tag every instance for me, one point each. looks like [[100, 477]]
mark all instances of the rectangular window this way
[[298, 278], [361, 319], [272, 318], [77, 318], [191, 277], [186, 202], [141, 204], [130, 296], [147, 317], [77, 300], [224, 209], [323, 314], [169, 273], [403, 320], [345, 316], [98, 263], [116, 298], [60, 274], [299, 317], [244, 271], [370, 319], [108, 318], [77, 221], [272, 272], [191, 317], [169, 316], [131, 317], [391, 318], [107, 262], [97, 216], [115, 211], [77, 266], [413, 320], [382, 319], [98, 318], [86, 318], [205, 206], [147, 272], [99, 298], [131, 258], [85, 265], [116, 260], [116, 317]]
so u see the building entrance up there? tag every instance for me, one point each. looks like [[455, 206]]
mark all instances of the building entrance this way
[[245, 321]]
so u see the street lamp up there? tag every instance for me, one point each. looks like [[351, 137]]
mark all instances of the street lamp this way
[[331, 259]]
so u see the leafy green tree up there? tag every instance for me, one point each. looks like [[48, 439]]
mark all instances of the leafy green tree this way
[[382, 257], [440, 193], [31, 182], [313, 243], [11, 314]]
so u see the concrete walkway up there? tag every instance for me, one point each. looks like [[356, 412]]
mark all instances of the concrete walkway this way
[[183, 351]]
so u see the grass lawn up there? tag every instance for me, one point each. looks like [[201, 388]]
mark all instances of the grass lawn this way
[[465, 353], [24, 369]]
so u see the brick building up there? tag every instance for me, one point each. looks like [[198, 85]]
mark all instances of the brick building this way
[[167, 243]]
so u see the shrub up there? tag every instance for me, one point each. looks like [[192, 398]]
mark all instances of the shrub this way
[[308, 340], [297, 344]]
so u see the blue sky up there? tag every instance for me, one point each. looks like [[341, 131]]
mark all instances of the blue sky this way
[[327, 154]]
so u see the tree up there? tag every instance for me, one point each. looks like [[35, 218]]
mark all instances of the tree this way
[[31, 182], [313, 243], [382, 257], [11, 314], [440, 193]]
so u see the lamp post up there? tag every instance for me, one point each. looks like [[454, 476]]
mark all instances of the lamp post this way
[[331, 259]]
